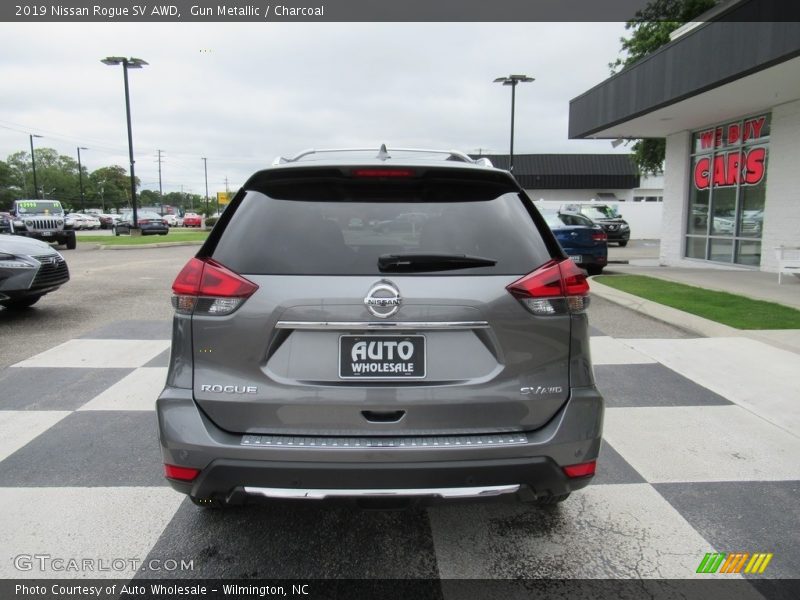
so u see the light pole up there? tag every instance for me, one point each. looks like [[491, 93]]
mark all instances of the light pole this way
[[80, 177], [33, 165], [128, 63], [205, 168], [513, 80]]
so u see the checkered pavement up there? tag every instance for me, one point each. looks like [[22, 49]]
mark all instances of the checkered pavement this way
[[700, 455]]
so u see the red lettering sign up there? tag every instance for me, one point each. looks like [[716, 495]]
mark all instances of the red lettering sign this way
[[753, 128], [707, 139], [701, 180], [731, 168], [734, 131], [754, 162]]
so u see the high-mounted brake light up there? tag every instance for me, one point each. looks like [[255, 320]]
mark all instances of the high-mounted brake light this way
[[557, 287], [205, 286], [384, 173]]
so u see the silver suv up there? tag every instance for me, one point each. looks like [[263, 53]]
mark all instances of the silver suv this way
[[368, 326]]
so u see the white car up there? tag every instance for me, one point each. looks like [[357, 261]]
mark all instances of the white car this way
[[172, 220], [91, 221], [76, 221]]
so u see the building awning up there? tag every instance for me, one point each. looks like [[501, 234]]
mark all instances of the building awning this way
[[571, 171], [746, 61]]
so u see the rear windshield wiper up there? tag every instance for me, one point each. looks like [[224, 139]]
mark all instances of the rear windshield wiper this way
[[430, 261]]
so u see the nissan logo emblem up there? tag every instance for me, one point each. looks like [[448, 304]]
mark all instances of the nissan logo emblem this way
[[383, 299]]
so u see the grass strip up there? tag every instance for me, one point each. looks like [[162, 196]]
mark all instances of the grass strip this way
[[722, 307], [127, 240]]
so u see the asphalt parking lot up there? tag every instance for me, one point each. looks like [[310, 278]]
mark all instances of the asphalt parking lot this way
[[686, 469]]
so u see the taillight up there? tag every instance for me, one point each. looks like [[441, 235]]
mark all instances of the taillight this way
[[555, 288], [599, 236], [181, 473], [207, 287], [580, 470]]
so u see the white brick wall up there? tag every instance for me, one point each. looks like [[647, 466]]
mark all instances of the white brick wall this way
[[677, 176], [782, 208]]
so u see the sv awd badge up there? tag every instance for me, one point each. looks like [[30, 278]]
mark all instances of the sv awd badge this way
[[229, 389]]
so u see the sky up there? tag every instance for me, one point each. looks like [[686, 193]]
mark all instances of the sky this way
[[241, 94]]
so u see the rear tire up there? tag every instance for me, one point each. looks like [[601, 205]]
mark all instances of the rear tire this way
[[594, 269], [21, 303]]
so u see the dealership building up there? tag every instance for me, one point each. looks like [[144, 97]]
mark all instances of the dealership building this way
[[725, 93]]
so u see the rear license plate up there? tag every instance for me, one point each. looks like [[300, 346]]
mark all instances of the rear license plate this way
[[576, 259], [381, 356]]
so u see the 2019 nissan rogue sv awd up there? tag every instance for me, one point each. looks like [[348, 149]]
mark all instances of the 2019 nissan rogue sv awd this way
[[319, 351]]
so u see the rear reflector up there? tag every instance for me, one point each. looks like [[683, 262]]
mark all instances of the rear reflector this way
[[181, 473], [393, 173], [581, 470], [221, 289], [557, 287]]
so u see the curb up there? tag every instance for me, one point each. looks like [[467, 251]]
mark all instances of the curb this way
[[681, 319], [146, 246], [669, 315]]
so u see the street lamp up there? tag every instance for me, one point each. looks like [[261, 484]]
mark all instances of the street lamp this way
[[80, 177], [128, 63], [33, 165], [513, 80], [205, 169]]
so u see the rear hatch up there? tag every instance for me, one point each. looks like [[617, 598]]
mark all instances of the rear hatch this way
[[378, 302]]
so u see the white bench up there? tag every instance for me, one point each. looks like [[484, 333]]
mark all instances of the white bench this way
[[788, 260]]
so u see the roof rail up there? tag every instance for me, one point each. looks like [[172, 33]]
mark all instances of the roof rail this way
[[383, 154]]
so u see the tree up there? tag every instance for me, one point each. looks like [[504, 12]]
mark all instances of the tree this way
[[650, 29], [7, 188], [110, 187]]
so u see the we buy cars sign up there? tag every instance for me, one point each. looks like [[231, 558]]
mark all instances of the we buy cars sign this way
[[746, 166]]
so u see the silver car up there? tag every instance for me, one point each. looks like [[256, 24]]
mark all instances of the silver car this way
[[314, 356], [29, 269]]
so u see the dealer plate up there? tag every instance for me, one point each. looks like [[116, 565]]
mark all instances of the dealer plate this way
[[382, 356], [577, 259], [46, 233]]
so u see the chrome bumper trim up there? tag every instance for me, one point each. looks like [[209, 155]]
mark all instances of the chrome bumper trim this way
[[445, 441], [381, 326], [321, 494]]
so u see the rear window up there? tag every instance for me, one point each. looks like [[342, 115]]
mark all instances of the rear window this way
[[298, 230]]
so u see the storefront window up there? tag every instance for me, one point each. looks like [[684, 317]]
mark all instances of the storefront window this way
[[726, 201]]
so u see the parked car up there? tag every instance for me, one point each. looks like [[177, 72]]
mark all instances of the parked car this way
[[192, 220], [6, 223], [616, 228], [90, 221], [149, 222], [43, 220], [29, 269], [448, 362], [107, 221], [77, 221], [584, 241], [170, 219]]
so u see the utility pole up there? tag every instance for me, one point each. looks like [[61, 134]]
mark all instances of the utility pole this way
[[205, 169], [160, 192], [33, 165], [80, 177]]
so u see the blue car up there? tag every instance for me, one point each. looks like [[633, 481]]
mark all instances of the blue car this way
[[583, 240]]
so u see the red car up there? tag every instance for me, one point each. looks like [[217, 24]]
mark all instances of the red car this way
[[192, 220]]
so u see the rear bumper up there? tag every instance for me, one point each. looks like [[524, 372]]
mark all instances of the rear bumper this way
[[227, 467]]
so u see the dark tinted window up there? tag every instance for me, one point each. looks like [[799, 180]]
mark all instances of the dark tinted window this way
[[346, 235]]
